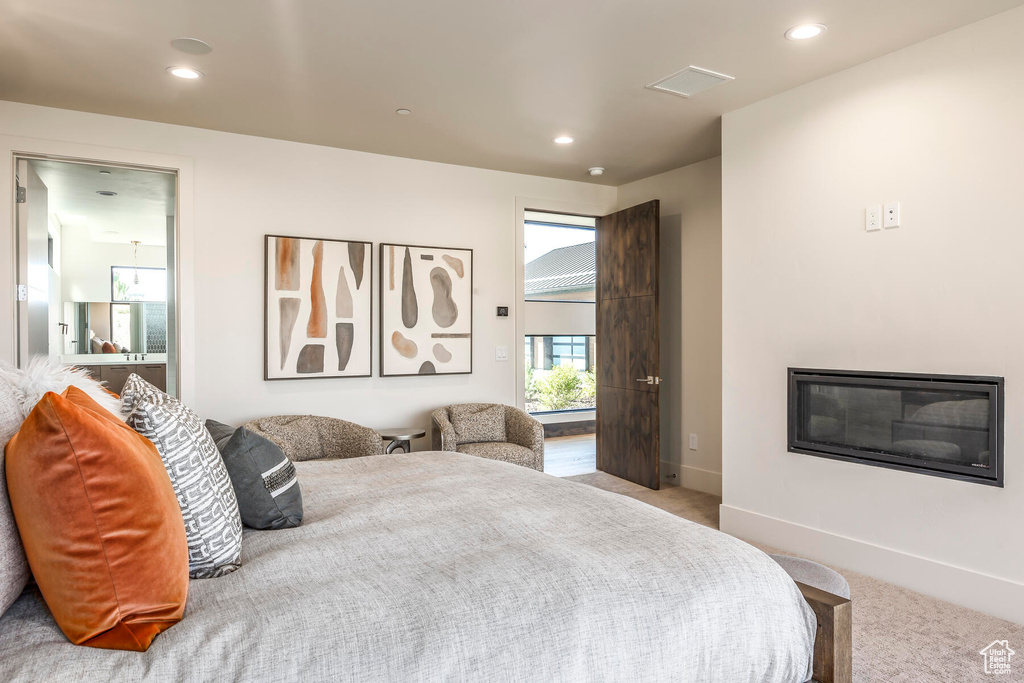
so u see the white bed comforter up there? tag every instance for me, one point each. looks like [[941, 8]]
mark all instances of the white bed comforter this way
[[442, 566]]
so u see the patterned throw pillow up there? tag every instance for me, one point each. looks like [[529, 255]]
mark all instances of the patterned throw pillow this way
[[263, 477], [476, 424], [200, 480]]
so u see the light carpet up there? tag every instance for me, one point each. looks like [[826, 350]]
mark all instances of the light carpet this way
[[898, 635]]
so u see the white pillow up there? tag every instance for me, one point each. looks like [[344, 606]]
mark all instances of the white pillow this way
[[47, 373]]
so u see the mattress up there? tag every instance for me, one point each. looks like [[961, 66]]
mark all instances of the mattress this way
[[444, 566]]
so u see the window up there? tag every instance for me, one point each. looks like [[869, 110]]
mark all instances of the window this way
[[138, 312], [560, 373], [140, 327], [570, 351], [121, 324], [560, 257], [128, 283], [546, 353]]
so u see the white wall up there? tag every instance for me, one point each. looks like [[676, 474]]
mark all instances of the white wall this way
[[691, 318], [939, 127], [246, 187], [86, 264]]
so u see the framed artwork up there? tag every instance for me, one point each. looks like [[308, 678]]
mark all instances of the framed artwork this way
[[426, 310], [318, 308]]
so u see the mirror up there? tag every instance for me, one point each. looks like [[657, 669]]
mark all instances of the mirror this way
[[125, 327]]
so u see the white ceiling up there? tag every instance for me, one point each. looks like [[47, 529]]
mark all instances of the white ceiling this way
[[138, 212], [489, 83]]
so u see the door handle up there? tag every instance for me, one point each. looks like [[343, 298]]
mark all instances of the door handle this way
[[650, 379]]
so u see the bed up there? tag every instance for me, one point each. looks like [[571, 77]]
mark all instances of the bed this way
[[443, 566]]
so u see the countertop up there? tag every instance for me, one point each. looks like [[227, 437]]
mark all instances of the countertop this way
[[112, 359]]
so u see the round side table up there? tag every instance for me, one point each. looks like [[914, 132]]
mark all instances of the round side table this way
[[401, 437]]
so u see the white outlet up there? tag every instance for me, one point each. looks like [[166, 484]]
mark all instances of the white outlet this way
[[873, 218], [693, 442], [501, 353], [891, 217]]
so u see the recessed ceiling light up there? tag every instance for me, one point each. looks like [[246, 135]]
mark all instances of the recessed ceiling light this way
[[563, 140], [403, 112], [184, 72], [106, 193], [805, 31], [191, 46], [596, 170]]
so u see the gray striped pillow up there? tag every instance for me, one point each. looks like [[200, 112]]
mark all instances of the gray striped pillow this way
[[200, 480], [263, 477]]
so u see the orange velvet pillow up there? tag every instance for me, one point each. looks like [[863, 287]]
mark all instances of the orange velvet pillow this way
[[109, 348], [100, 523]]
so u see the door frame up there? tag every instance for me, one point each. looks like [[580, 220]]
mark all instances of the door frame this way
[[524, 204], [15, 147]]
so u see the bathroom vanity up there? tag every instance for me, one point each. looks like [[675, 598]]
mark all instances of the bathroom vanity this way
[[114, 368]]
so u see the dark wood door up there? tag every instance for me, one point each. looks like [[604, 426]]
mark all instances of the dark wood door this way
[[628, 349]]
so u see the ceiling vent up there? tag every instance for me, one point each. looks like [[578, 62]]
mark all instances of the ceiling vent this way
[[689, 81]]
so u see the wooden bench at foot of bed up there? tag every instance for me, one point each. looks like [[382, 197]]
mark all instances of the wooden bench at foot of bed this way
[[833, 642]]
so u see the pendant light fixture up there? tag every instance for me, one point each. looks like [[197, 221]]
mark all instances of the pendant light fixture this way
[[135, 290]]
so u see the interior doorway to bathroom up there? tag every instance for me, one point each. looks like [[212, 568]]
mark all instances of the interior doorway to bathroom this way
[[96, 268]]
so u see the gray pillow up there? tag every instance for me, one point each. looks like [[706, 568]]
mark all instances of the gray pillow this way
[[13, 566], [200, 480], [263, 477], [475, 423]]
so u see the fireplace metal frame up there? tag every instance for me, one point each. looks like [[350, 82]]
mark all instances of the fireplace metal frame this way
[[992, 476]]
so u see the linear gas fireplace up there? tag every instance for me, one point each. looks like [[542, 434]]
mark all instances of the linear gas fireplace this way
[[944, 425]]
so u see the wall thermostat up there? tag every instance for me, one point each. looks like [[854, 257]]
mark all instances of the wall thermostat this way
[[502, 311]]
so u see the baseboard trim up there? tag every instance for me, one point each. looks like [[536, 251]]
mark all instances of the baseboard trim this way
[[992, 595], [700, 480]]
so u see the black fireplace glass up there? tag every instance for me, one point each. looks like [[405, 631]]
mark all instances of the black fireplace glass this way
[[935, 424]]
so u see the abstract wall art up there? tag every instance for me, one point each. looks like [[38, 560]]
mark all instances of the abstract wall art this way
[[318, 308], [426, 310]]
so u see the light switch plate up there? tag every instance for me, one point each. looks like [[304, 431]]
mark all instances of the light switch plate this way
[[501, 353], [891, 215], [873, 218], [693, 442]]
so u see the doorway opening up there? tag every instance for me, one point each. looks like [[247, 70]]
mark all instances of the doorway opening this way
[[96, 266], [560, 346]]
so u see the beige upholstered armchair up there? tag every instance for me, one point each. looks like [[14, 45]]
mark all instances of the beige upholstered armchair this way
[[490, 430], [310, 437]]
